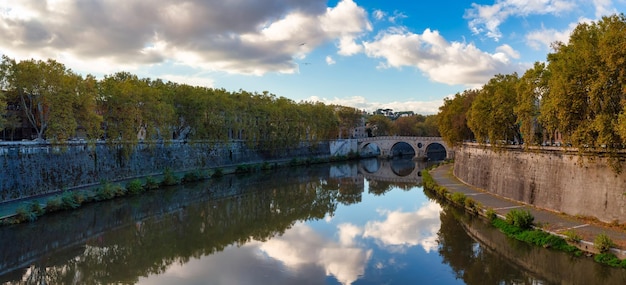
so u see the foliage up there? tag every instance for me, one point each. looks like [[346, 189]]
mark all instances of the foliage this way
[[535, 237], [458, 198], [169, 178], [522, 219], [244, 168], [134, 187], [572, 236], [379, 125], [122, 107], [603, 243], [218, 172], [491, 117], [108, 191], [71, 200], [193, 176], [452, 117], [585, 102], [530, 89], [53, 204], [151, 183], [491, 214], [25, 213], [610, 260]]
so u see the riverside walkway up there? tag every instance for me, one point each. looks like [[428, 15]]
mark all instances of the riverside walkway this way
[[555, 223]]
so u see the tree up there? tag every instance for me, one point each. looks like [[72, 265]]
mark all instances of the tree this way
[[491, 117], [586, 99], [3, 110], [530, 89], [349, 118], [452, 117], [44, 89], [380, 125], [407, 126]]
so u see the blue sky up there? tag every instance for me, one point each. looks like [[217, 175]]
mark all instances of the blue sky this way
[[369, 54]]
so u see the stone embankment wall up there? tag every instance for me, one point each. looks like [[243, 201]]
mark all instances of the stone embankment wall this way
[[30, 169], [551, 179]]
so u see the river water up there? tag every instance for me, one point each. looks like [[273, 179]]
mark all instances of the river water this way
[[352, 223]]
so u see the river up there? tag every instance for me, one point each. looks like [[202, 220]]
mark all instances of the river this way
[[351, 223]]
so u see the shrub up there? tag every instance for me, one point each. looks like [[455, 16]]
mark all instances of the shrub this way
[[218, 172], [266, 166], [134, 187], [169, 178], [470, 204], [53, 204], [522, 219], [106, 192], [71, 200], [243, 168], [491, 214], [458, 198], [193, 176], [151, 183], [603, 243], [609, 259], [572, 236], [24, 214]]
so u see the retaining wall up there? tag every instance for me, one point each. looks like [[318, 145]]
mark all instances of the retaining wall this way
[[551, 179], [31, 169]]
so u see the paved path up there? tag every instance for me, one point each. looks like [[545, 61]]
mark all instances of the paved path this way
[[550, 221]]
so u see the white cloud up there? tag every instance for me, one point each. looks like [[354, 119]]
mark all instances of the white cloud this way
[[488, 18], [379, 15], [359, 102], [508, 50], [604, 8], [240, 37], [544, 38], [330, 60], [442, 61], [406, 229], [301, 246]]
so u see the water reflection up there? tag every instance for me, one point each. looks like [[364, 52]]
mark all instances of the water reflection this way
[[339, 224]]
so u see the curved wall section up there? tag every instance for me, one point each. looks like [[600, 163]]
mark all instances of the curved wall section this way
[[551, 179]]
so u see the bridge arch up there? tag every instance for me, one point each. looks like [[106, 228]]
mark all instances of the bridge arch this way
[[419, 144]]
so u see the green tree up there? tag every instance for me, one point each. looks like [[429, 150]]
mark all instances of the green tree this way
[[491, 117], [452, 117], [3, 110], [530, 89], [586, 101], [380, 125], [349, 118], [45, 91]]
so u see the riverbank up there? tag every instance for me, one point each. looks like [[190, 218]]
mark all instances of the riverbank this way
[[552, 222], [29, 209]]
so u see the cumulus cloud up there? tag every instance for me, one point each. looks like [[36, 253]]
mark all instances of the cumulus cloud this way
[[301, 246], [544, 38], [245, 37], [442, 61], [400, 229], [488, 18], [604, 8], [359, 102], [330, 60]]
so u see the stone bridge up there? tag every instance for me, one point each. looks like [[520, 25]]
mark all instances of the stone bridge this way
[[420, 145], [392, 171]]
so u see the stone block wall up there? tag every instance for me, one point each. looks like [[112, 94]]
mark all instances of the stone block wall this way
[[551, 179], [30, 169]]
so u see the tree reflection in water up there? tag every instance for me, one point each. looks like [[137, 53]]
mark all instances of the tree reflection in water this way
[[123, 240]]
